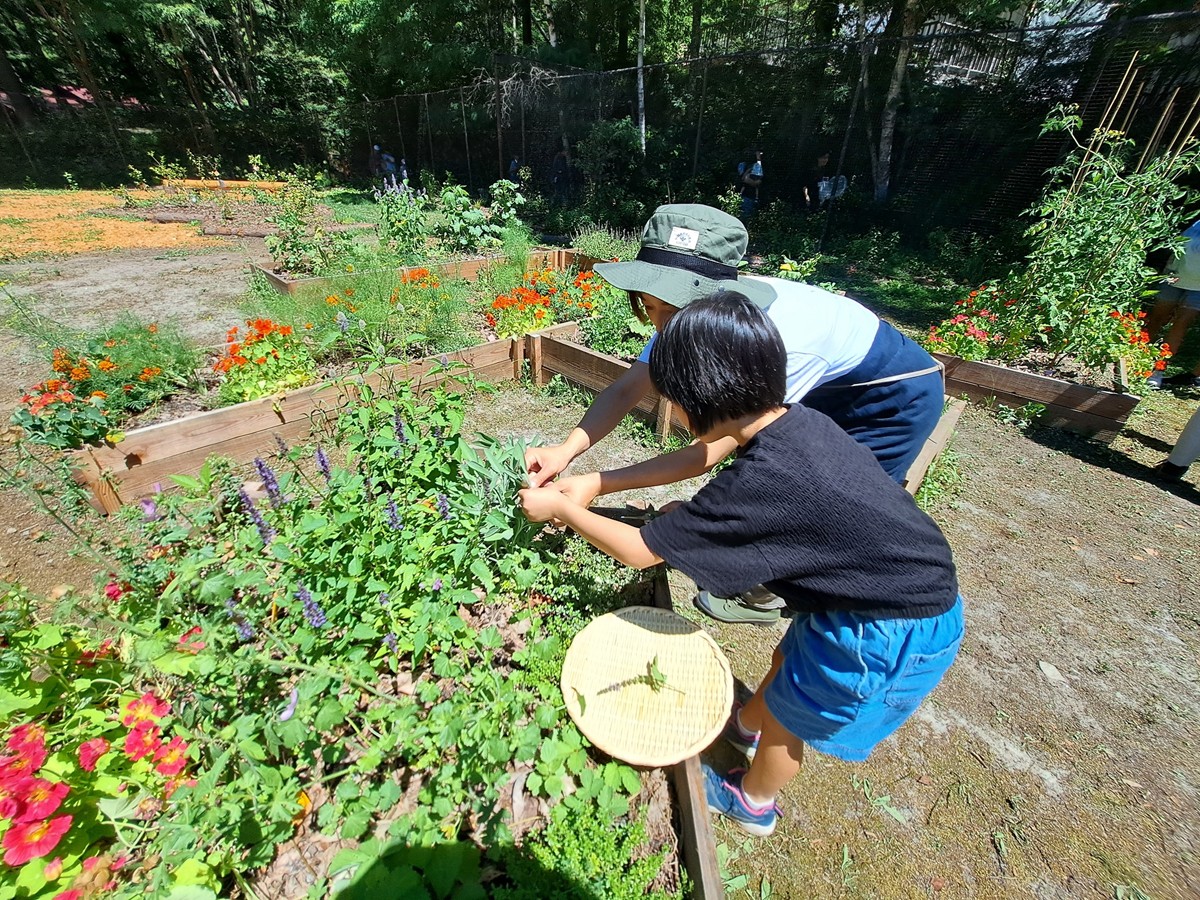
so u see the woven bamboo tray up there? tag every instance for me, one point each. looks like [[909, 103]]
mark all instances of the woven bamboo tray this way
[[608, 688]]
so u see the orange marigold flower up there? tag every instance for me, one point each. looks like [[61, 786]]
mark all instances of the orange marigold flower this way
[[81, 373], [349, 292], [1160, 365], [308, 326], [332, 300], [153, 328], [99, 395], [106, 365], [260, 360]]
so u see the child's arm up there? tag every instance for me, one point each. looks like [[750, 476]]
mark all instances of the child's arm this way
[[620, 541]]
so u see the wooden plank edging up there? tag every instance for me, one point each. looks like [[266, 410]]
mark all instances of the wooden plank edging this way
[[695, 824], [1085, 410], [934, 444]]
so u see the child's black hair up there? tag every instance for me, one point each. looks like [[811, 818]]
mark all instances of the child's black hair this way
[[720, 358]]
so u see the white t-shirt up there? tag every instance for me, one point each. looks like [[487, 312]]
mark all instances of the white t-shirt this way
[[1187, 267], [826, 335]]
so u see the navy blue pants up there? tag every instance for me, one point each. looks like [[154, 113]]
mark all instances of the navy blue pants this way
[[893, 420]]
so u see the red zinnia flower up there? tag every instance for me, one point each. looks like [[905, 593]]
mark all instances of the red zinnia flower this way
[[29, 840], [42, 799], [171, 757], [145, 709], [18, 768], [26, 737], [90, 752], [73, 894], [142, 741]]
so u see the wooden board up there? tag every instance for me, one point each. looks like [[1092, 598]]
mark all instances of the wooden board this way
[[934, 444], [1075, 407], [586, 368], [695, 824], [148, 456]]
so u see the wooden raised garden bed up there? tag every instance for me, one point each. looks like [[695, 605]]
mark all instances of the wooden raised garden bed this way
[[1085, 410], [539, 258]]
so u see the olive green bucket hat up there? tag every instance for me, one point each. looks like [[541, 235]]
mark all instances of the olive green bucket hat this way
[[689, 251]]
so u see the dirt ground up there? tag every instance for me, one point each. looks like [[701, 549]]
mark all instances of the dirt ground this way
[[1061, 756]]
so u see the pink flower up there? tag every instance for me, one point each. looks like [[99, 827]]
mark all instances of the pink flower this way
[[90, 752], [114, 591], [72, 894], [186, 642], [30, 840], [22, 766], [142, 741], [27, 736], [42, 799], [171, 758], [144, 710], [53, 869]]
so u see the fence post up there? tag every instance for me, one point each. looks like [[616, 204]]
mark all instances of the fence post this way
[[533, 349], [664, 418], [462, 101]]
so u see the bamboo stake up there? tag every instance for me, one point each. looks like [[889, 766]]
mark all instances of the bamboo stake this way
[[399, 130], [462, 102], [1171, 148], [1132, 107], [1159, 128]]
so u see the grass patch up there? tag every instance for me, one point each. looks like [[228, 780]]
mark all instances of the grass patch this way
[[350, 206], [943, 481]]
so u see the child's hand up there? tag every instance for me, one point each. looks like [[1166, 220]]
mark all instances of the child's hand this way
[[541, 504]]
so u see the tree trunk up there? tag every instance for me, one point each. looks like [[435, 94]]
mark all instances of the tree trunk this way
[[526, 7], [694, 41], [11, 85], [891, 103], [551, 32]]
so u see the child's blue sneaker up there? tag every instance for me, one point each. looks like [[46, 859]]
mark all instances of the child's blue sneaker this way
[[724, 793], [738, 737]]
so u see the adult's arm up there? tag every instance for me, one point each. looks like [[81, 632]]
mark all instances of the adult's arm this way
[[610, 406]]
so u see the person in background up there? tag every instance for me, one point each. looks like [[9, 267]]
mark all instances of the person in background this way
[[808, 512], [842, 360], [1178, 303], [389, 171], [514, 171], [812, 182], [751, 178], [1185, 452]]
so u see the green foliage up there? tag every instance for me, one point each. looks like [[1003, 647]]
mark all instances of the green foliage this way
[[943, 481], [605, 243], [581, 855], [507, 201], [1095, 224], [398, 870], [266, 358], [402, 228], [463, 227], [612, 327], [98, 377], [301, 246], [619, 189]]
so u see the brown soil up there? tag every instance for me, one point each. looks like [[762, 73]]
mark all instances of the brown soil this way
[[52, 223], [1059, 758]]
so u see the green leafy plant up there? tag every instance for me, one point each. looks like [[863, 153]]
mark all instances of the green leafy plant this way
[[507, 201], [300, 244], [403, 228], [605, 243], [264, 359], [1105, 209], [463, 226]]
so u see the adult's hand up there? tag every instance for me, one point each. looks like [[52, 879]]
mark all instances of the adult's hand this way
[[544, 463]]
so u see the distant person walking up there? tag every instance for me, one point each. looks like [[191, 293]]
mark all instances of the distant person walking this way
[[514, 171], [389, 171], [750, 178], [1178, 303], [812, 182]]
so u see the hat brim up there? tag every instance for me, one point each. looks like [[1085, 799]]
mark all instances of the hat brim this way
[[678, 287]]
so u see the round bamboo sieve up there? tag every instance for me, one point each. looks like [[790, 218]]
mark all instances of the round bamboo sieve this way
[[610, 691]]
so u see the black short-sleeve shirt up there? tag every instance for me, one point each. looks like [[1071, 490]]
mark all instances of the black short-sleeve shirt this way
[[807, 511]]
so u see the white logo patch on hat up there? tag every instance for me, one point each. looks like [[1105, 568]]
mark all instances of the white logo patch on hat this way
[[683, 238]]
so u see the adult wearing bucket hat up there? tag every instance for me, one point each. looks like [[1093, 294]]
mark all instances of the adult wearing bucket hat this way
[[842, 360]]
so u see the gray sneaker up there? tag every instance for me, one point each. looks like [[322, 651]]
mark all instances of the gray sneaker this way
[[733, 611]]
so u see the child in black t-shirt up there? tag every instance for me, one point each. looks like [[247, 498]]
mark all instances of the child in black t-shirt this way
[[810, 514]]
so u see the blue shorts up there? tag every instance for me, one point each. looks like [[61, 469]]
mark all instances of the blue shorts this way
[[1173, 294], [892, 419], [848, 681]]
